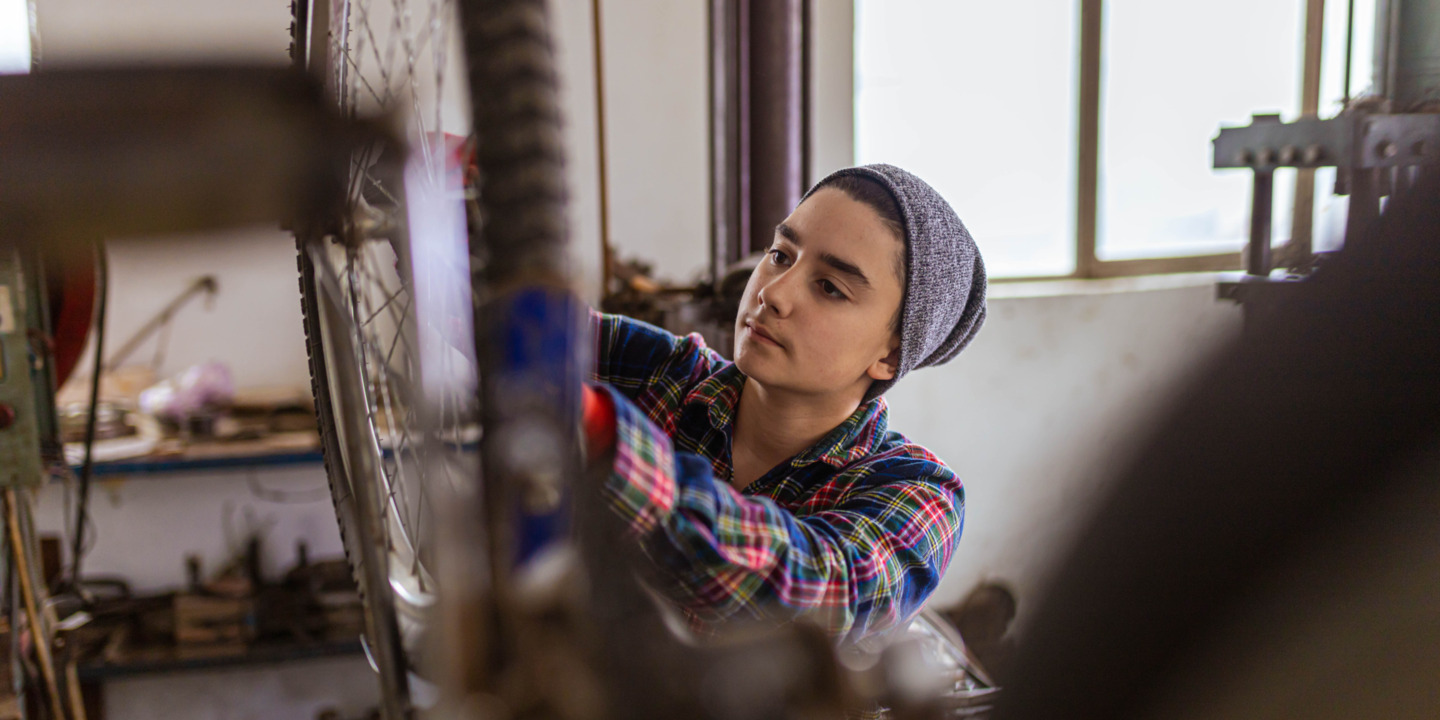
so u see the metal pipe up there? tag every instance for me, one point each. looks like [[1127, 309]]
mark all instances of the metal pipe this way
[[1387, 17], [604, 179], [725, 147], [1257, 254], [776, 151], [1416, 56], [1087, 165], [206, 284], [1364, 202], [757, 122]]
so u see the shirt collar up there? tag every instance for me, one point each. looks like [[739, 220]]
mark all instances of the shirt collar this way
[[851, 440], [720, 393]]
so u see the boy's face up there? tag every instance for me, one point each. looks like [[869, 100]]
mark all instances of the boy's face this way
[[816, 315]]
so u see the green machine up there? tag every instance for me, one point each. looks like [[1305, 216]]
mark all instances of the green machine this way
[[29, 437]]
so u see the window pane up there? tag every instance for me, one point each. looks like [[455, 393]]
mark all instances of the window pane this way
[[978, 99], [1332, 73], [1173, 74], [14, 36], [1331, 209]]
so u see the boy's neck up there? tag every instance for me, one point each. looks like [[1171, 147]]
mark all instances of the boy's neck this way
[[774, 426]]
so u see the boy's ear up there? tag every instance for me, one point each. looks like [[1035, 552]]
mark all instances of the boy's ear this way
[[888, 367]]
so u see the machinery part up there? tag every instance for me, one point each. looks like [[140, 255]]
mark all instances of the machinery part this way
[[529, 325], [1378, 153], [967, 690], [1352, 141], [1279, 525], [374, 278], [20, 385], [207, 285], [72, 284], [258, 136], [1407, 68]]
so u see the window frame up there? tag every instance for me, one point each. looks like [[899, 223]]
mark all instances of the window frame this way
[[1088, 264]]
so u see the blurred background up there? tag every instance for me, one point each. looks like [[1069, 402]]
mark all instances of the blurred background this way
[[981, 99]]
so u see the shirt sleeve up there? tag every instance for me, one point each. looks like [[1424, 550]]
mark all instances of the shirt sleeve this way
[[860, 569], [649, 366]]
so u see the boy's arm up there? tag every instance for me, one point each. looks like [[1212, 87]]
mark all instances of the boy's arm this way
[[645, 363], [862, 568]]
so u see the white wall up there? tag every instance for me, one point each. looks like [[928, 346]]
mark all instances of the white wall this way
[[1037, 413], [656, 102]]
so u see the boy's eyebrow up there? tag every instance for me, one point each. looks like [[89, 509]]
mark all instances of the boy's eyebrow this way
[[843, 266]]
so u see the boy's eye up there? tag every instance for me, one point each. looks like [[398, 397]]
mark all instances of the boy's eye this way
[[779, 257], [832, 289]]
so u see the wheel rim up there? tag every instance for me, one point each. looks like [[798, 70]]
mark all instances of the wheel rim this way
[[398, 261]]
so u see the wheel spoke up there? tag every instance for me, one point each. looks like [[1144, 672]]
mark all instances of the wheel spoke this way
[[382, 307], [355, 65], [391, 60], [375, 183], [382, 64]]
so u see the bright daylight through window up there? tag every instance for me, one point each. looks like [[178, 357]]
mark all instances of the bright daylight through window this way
[[979, 100], [982, 100], [14, 36], [1173, 74]]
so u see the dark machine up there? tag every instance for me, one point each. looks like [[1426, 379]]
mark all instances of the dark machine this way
[[1379, 143]]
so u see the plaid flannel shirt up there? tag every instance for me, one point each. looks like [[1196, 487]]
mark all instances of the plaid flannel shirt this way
[[853, 533]]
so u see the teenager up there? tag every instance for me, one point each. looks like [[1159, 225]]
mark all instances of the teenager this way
[[771, 487]]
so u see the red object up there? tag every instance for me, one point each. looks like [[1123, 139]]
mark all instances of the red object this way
[[598, 418], [7, 416], [71, 286]]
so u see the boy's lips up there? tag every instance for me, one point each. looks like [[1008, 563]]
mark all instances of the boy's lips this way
[[760, 332]]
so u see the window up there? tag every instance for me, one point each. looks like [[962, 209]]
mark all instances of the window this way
[[998, 145], [14, 36], [1171, 75], [1331, 209], [1074, 136]]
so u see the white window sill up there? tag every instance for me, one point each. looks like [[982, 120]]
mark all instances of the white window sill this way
[[1071, 286]]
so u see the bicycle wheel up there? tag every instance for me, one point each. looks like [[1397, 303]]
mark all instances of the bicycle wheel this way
[[385, 289]]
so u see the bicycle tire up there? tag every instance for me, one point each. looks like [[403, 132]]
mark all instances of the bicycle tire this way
[[380, 538], [520, 253]]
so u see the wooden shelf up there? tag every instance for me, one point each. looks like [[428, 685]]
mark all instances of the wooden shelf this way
[[167, 659], [269, 452]]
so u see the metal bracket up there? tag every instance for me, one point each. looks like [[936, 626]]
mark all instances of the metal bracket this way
[[1357, 141], [1374, 151]]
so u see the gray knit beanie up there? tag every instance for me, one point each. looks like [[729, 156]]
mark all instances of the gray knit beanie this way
[[944, 301]]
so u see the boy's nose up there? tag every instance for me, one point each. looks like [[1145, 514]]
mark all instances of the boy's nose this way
[[778, 293]]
